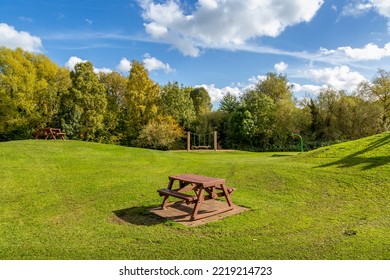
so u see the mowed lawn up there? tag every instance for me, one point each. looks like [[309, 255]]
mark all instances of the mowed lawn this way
[[79, 200]]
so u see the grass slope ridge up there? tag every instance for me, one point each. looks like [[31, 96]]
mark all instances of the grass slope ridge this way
[[368, 152], [79, 200]]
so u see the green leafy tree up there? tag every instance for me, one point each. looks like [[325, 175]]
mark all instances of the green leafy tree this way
[[262, 111], [51, 83], [201, 100], [116, 86], [202, 104], [281, 111], [176, 102], [241, 129], [316, 128], [327, 102], [354, 118], [379, 91], [84, 108], [229, 103], [275, 86]]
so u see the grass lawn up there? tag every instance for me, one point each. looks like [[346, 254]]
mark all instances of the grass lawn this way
[[68, 200]]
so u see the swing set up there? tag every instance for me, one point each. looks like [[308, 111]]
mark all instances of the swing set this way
[[201, 141]]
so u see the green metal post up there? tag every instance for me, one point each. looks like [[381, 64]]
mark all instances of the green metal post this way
[[301, 140]]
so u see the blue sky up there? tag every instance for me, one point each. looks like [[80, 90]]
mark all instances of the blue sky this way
[[223, 45]]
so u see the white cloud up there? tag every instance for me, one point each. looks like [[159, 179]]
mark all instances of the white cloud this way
[[26, 19], [11, 38], [216, 94], [339, 77], [383, 6], [124, 65], [256, 79], [280, 67], [369, 52], [357, 8], [154, 64], [222, 24], [150, 63], [72, 61], [307, 88], [102, 70]]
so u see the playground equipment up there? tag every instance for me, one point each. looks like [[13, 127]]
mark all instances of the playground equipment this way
[[202, 141], [301, 140]]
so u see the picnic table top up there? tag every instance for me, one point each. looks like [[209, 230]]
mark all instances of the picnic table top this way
[[198, 179]]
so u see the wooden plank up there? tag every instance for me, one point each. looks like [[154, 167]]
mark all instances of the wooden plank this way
[[174, 193], [198, 179]]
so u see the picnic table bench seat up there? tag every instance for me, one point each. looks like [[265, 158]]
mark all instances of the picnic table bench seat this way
[[187, 197], [229, 189], [191, 198]]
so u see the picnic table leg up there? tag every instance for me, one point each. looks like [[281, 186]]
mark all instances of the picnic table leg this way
[[227, 195], [197, 204], [165, 200]]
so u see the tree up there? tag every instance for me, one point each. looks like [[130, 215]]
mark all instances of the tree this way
[[141, 102], [275, 86], [51, 82], [241, 128], [17, 104], [202, 104], [281, 109], [379, 91], [116, 86], [316, 128], [229, 103], [201, 100], [354, 118], [326, 102], [84, 108], [176, 102], [262, 112]]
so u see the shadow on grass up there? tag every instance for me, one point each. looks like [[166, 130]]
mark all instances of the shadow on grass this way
[[281, 155], [137, 216], [367, 162]]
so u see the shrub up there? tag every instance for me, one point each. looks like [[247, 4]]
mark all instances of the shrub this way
[[160, 134]]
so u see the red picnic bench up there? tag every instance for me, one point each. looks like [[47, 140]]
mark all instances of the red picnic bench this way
[[194, 189], [49, 132]]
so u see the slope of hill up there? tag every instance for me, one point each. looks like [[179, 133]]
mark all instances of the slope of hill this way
[[61, 199], [369, 152]]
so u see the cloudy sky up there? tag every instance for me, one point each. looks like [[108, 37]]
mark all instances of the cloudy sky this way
[[223, 45]]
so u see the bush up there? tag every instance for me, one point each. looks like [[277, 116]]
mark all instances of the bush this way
[[160, 134]]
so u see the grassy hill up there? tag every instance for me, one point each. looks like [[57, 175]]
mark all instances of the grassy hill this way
[[65, 200]]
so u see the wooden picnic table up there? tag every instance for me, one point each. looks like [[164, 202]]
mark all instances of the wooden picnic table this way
[[194, 189], [49, 132]]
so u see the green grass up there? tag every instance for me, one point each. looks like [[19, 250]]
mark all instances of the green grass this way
[[79, 200]]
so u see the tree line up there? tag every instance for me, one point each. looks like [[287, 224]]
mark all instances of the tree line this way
[[133, 110]]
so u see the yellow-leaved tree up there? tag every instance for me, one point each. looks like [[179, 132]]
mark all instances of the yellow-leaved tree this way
[[141, 102]]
